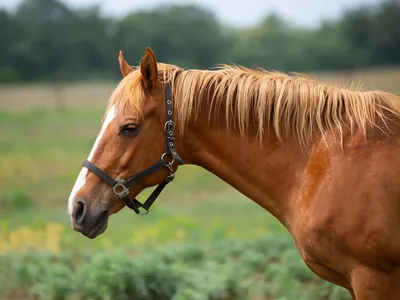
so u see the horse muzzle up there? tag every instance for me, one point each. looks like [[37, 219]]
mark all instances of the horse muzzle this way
[[90, 222]]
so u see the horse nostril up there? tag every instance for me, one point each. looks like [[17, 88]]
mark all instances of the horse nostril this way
[[79, 211]]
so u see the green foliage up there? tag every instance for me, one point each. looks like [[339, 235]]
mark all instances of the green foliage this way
[[15, 199], [47, 40], [8, 74], [177, 272]]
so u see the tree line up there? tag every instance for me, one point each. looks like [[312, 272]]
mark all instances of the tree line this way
[[47, 40]]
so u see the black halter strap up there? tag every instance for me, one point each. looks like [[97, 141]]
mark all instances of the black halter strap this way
[[121, 187]]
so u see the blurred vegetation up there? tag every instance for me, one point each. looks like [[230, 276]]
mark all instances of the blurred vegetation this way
[[265, 268], [46, 40]]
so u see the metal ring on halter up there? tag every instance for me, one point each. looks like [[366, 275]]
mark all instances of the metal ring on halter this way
[[171, 162], [121, 184]]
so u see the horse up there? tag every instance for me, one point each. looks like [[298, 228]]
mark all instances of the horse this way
[[323, 160]]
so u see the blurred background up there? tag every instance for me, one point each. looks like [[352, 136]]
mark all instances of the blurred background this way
[[202, 239]]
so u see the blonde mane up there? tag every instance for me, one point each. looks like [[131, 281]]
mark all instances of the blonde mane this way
[[293, 106]]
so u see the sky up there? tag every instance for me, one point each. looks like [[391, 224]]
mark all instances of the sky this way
[[238, 13]]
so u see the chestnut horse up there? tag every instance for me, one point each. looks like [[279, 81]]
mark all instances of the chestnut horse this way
[[325, 161]]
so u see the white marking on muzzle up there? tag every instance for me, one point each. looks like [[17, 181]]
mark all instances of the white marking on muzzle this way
[[80, 182]]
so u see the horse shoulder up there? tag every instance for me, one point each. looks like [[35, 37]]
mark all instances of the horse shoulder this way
[[348, 206]]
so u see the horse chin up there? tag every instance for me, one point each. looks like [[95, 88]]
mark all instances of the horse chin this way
[[96, 231], [94, 227]]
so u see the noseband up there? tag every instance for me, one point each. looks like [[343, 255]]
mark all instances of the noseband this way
[[121, 187]]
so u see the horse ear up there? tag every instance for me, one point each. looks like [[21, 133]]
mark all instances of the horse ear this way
[[148, 68], [123, 65]]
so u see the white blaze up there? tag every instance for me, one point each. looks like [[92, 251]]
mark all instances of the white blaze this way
[[80, 182]]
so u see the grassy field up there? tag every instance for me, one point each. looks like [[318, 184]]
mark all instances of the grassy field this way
[[41, 149]]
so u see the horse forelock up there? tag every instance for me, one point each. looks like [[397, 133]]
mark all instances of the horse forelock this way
[[130, 92]]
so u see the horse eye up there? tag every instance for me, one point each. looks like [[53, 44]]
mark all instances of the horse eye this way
[[129, 129]]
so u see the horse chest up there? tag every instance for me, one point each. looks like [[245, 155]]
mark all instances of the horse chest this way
[[321, 255]]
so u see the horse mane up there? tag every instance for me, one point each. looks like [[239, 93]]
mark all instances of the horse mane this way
[[295, 106]]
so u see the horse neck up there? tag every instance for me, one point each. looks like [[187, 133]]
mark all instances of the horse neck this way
[[265, 172]]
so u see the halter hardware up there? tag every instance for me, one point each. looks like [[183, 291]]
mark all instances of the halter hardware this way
[[121, 187]]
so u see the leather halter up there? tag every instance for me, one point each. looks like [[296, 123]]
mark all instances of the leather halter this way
[[121, 187]]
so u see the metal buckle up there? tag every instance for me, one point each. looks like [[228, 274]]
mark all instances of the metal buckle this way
[[169, 123], [121, 184]]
